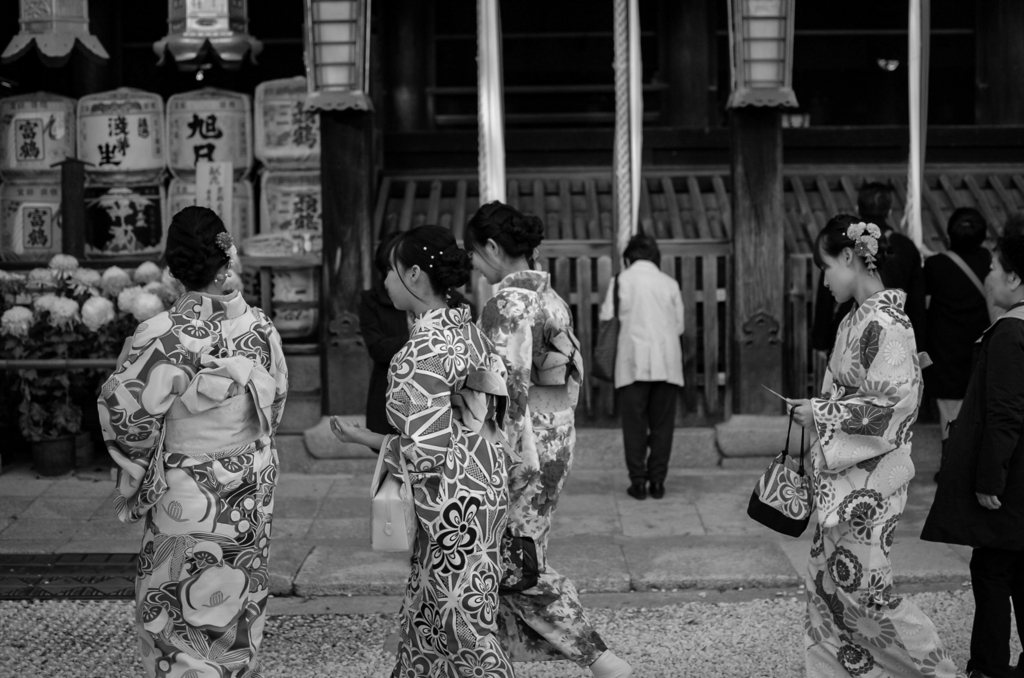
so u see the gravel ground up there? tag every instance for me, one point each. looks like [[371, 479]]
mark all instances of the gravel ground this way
[[761, 637]]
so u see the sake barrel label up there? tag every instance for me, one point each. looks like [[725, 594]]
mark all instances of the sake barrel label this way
[[34, 135], [122, 132], [30, 226], [124, 220], [287, 129], [211, 125]]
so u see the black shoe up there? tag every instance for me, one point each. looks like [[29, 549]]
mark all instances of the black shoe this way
[[657, 490], [638, 490]]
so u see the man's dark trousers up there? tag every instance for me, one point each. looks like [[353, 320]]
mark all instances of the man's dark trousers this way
[[648, 410], [997, 576]]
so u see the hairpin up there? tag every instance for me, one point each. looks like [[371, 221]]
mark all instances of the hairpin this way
[[225, 242], [865, 238]]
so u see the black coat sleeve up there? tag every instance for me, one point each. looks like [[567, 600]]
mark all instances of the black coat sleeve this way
[[823, 334], [1004, 399], [381, 345], [915, 308]]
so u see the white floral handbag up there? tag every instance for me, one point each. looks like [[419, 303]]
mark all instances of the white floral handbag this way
[[393, 525], [782, 499]]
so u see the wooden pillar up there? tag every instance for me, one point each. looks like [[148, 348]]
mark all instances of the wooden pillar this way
[[406, 59], [999, 64], [72, 207], [347, 181], [687, 44], [759, 256]]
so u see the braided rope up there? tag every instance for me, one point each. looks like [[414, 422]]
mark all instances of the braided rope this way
[[622, 151], [490, 114]]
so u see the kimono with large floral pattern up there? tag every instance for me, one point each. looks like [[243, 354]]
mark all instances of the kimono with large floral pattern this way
[[855, 624], [189, 418], [460, 489], [531, 328]]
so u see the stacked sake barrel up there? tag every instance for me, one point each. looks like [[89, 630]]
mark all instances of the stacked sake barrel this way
[[36, 132], [121, 138], [291, 206], [216, 126]]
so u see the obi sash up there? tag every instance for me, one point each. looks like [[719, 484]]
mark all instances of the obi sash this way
[[480, 405], [561, 363], [216, 432]]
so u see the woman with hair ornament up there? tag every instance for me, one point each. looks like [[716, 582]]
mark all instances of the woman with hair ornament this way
[[189, 417], [861, 467]]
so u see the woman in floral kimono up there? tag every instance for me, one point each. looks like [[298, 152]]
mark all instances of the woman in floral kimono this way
[[531, 328], [856, 625], [446, 397], [189, 417]]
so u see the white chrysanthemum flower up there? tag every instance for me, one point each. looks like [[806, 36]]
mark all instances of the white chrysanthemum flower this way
[[45, 302], [43, 275], [147, 272], [146, 306], [114, 280], [162, 291], [126, 298], [64, 264], [97, 312], [64, 312], [173, 285], [16, 321]]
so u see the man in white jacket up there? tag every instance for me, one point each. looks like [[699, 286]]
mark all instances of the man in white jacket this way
[[648, 363]]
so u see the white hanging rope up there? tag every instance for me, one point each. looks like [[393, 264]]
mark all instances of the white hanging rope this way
[[629, 113], [490, 113], [917, 74]]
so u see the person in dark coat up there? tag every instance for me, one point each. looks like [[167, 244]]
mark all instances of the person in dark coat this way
[[958, 310], [980, 498], [385, 329], [902, 270]]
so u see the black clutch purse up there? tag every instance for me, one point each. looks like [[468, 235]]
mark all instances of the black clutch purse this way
[[519, 561], [781, 501]]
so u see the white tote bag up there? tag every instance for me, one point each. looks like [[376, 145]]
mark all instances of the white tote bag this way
[[393, 526]]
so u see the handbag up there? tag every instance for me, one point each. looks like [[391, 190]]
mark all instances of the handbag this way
[[519, 564], [781, 500], [602, 365], [393, 523]]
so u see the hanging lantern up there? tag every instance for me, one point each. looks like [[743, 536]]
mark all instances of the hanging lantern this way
[[761, 54], [198, 27], [338, 53], [55, 26]]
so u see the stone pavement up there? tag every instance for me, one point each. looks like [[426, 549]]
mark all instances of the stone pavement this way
[[697, 537]]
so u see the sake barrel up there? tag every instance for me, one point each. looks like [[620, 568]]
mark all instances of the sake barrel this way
[[290, 201], [294, 285], [287, 130], [124, 220], [120, 133], [182, 194], [36, 131], [30, 221], [209, 124]]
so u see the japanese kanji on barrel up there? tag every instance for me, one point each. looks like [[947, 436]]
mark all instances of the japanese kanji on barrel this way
[[120, 136], [209, 124], [124, 221], [287, 129], [182, 193], [36, 132], [29, 221]]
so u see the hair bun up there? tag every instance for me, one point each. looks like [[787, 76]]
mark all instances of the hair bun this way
[[453, 269], [527, 232]]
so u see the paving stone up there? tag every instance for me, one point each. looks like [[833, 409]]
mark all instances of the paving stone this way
[[603, 448], [326, 529], [302, 486], [39, 529], [747, 435], [14, 506], [301, 412], [707, 562], [47, 545], [50, 507], [920, 562], [323, 444], [21, 482], [303, 373], [286, 528], [350, 568], [658, 518], [286, 557], [295, 507], [101, 545], [592, 563], [74, 487], [292, 455], [335, 507]]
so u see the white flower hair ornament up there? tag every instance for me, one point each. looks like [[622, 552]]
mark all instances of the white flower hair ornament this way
[[227, 243], [865, 238]]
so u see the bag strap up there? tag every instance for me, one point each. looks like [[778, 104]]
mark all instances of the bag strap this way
[[615, 294], [785, 450], [958, 260], [802, 431]]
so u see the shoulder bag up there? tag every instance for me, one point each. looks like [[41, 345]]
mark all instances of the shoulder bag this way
[[393, 525], [603, 362], [781, 501]]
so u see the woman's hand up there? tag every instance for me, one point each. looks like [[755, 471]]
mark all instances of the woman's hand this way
[[802, 412], [989, 501], [351, 432]]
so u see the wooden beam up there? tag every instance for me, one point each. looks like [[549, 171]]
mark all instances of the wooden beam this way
[[724, 207], [382, 206], [758, 215], [700, 213], [983, 204], [346, 176], [408, 202], [593, 213], [459, 215], [434, 202], [826, 197], [1008, 202], [675, 220]]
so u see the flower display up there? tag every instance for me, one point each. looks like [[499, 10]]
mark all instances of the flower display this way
[[146, 305], [97, 311], [16, 321], [63, 264], [85, 281], [41, 275], [63, 312], [114, 280], [44, 302], [166, 295], [126, 299], [147, 272]]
